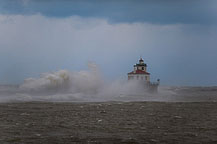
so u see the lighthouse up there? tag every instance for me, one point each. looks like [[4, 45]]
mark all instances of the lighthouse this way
[[140, 74]]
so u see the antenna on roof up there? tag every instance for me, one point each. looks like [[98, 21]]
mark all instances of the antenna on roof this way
[[140, 56]]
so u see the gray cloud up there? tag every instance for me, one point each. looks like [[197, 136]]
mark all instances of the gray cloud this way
[[180, 54], [150, 11]]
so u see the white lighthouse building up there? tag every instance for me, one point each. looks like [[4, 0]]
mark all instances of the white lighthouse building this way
[[141, 75], [140, 72]]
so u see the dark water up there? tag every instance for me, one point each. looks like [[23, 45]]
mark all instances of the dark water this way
[[173, 115], [109, 122]]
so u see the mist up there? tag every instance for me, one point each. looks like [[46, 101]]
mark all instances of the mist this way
[[92, 86], [71, 86]]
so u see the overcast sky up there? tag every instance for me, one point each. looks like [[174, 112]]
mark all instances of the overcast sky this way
[[177, 39]]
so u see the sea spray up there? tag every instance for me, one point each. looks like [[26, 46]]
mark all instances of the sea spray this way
[[74, 82], [88, 85]]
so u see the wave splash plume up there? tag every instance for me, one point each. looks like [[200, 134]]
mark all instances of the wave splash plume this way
[[90, 86], [64, 81]]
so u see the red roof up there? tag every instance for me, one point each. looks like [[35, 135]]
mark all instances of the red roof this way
[[139, 72]]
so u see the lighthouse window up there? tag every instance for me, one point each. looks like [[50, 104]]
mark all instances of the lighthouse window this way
[[142, 68]]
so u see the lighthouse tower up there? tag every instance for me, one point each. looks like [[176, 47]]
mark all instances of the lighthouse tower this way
[[140, 72]]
